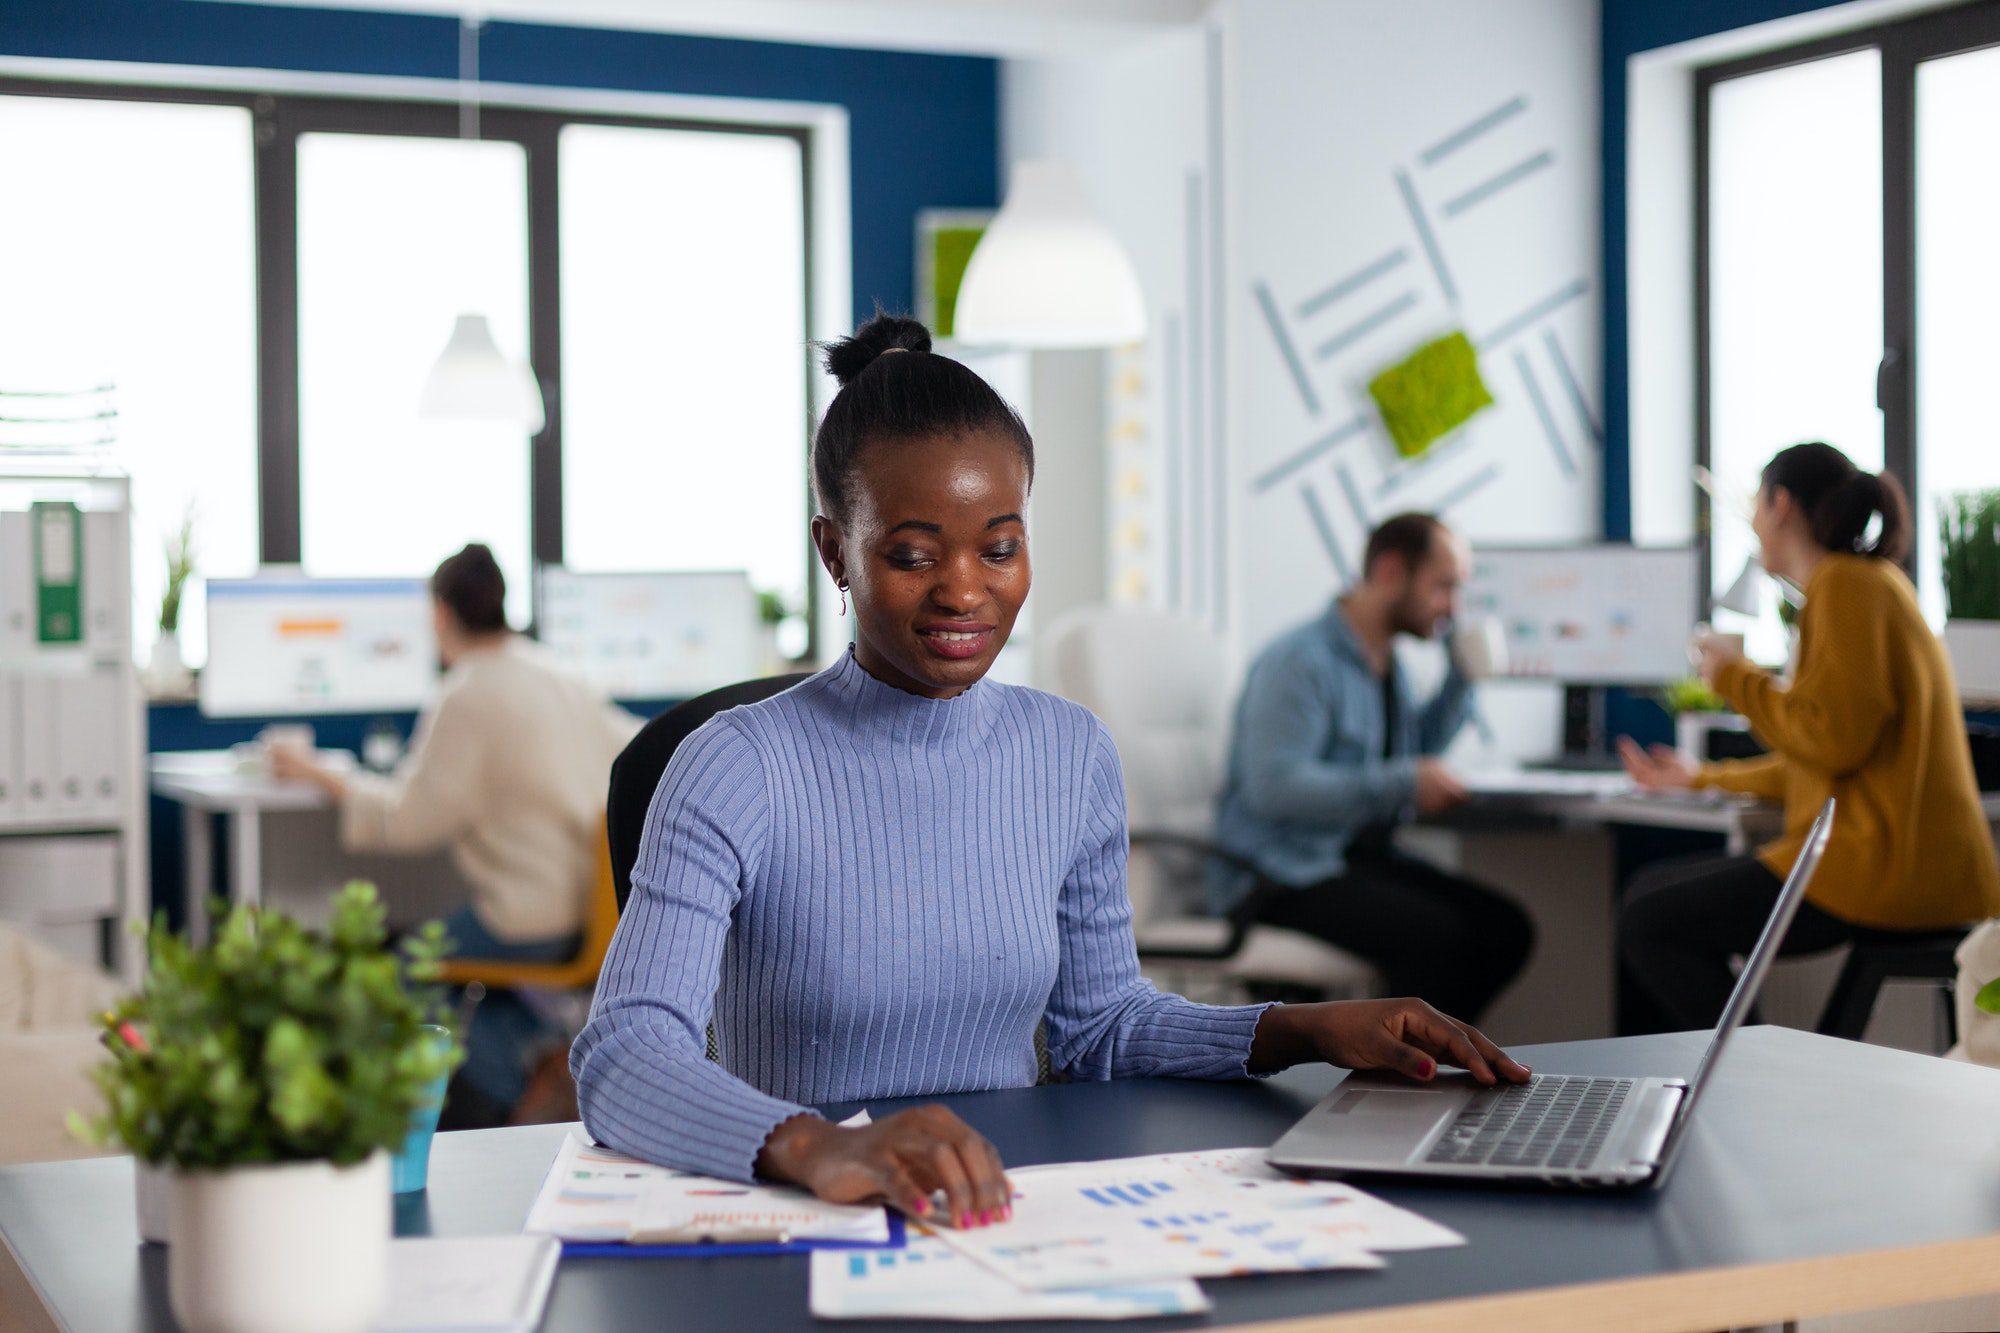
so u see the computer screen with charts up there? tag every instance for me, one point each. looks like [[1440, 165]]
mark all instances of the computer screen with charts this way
[[280, 645], [654, 636], [1589, 615]]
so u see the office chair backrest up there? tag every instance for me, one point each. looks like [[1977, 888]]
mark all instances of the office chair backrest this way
[[636, 773], [1161, 683]]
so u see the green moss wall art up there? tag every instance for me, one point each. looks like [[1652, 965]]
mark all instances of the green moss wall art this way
[[1431, 394]]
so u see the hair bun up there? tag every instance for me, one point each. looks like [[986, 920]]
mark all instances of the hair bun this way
[[846, 359]]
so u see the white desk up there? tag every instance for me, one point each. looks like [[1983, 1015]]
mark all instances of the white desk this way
[[206, 783]]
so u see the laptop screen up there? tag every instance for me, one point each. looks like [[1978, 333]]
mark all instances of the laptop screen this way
[[1758, 964]]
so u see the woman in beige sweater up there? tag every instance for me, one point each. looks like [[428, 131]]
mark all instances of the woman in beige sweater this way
[[508, 770]]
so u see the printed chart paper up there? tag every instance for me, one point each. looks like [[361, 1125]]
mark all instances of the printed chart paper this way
[[594, 1194], [930, 1280], [1221, 1213]]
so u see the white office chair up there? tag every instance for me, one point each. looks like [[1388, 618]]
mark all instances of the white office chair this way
[[1162, 686]]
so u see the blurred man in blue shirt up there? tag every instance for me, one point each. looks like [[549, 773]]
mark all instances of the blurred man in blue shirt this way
[[1331, 752]]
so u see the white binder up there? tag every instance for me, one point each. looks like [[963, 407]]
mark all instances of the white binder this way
[[41, 749], [107, 625], [17, 586], [10, 751]]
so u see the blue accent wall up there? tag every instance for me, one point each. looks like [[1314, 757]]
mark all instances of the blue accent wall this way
[[1628, 28], [923, 129]]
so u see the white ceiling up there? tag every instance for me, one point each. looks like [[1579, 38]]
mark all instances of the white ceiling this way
[[969, 27]]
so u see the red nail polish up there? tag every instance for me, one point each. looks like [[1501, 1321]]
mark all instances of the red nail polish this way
[[986, 1219], [965, 1221], [1426, 1069], [921, 1207]]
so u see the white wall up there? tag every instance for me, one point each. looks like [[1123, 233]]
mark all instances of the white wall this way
[[1132, 122], [1350, 140], [1264, 154]]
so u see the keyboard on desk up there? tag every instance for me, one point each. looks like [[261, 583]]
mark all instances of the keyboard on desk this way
[[1548, 1121]]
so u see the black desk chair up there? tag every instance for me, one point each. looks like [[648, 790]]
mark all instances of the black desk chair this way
[[1879, 956], [636, 773]]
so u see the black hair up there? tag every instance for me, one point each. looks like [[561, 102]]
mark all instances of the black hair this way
[[1839, 500], [473, 589], [1410, 535], [894, 387]]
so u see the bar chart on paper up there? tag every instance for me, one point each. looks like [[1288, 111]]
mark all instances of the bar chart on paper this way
[[1189, 1215], [929, 1279]]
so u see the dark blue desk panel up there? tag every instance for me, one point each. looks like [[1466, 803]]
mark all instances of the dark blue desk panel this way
[[1807, 1148]]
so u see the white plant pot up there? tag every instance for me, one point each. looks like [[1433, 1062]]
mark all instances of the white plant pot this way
[[152, 1187], [302, 1247], [1691, 732], [166, 670], [1974, 647]]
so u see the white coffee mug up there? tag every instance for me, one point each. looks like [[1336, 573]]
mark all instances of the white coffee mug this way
[[1705, 634], [1479, 646]]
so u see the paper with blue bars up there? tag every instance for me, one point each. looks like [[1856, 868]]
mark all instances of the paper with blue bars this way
[[1217, 1213], [930, 1280]]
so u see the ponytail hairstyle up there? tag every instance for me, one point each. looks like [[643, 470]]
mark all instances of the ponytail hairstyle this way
[[1840, 500], [894, 388], [473, 589]]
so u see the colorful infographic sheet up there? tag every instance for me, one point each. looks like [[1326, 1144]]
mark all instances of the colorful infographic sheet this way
[[1220, 1213], [594, 1194], [930, 1280]]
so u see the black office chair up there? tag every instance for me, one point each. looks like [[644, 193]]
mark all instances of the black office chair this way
[[1880, 956], [636, 773]]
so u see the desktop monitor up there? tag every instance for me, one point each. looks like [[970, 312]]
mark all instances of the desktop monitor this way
[[1589, 615], [664, 635], [281, 645]]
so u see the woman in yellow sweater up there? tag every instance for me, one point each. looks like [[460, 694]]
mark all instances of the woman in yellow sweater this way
[[1871, 717]]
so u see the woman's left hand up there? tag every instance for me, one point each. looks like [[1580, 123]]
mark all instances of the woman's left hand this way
[[1407, 1036]]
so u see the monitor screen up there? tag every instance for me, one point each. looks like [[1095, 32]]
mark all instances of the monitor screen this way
[[654, 636], [1589, 615], [286, 645]]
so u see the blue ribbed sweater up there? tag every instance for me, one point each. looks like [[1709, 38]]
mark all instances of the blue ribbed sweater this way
[[875, 894]]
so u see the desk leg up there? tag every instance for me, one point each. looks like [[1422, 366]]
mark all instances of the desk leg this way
[[198, 840], [246, 858]]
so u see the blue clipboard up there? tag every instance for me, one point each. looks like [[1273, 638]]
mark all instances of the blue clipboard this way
[[597, 1249]]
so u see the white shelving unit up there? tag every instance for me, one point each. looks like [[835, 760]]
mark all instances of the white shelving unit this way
[[73, 857]]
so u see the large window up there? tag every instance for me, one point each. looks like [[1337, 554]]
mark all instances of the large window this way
[[683, 304], [127, 259], [396, 236], [1847, 193], [267, 280]]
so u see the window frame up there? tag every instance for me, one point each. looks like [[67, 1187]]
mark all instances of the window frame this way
[[278, 119], [1903, 44]]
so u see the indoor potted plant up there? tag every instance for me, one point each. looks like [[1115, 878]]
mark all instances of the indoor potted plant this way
[[270, 1073], [1696, 710], [166, 669], [1969, 524]]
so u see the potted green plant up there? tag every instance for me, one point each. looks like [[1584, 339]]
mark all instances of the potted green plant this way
[[269, 1074], [1969, 524], [1696, 710], [166, 669]]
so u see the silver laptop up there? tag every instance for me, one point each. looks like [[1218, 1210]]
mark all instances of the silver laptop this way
[[1554, 1129]]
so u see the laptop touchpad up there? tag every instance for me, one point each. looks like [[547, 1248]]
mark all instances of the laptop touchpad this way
[[1382, 1122]]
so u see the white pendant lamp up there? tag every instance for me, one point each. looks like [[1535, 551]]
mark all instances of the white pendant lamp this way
[[1745, 596], [471, 380], [1048, 273]]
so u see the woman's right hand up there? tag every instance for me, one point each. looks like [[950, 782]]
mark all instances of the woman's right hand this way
[[902, 1159], [1659, 768]]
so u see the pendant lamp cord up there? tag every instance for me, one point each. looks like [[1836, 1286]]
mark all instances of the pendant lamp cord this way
[[468, 76]]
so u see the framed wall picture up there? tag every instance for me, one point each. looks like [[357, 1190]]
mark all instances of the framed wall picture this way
[[945, 241]]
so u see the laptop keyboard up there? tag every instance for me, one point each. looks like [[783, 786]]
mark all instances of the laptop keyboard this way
[[1545, 1122]]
